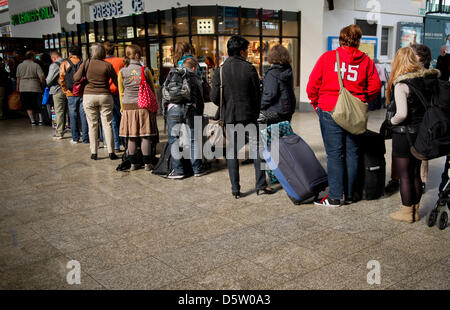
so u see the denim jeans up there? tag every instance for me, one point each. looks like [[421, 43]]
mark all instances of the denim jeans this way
[[342, 157], [116, 122], [176, 115], [76, 111]]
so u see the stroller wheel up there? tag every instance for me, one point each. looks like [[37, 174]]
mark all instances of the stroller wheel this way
[[443, 219], [432, 217]]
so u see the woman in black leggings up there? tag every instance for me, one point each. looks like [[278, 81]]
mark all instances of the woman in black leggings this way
[[409, 87]]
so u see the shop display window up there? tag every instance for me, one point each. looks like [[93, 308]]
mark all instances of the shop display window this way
[[109, 30], [250, 22], [270, 23], [125, 28], [83, 33], [152, 20], [292, 47], [91, 33], [254, 52], [166, 22], [228, 22], [100, 32], [290, 24], [63, 40], [154, 61], [205, 52], [167, 53], [203, 20], [140, 25], [181, 26]]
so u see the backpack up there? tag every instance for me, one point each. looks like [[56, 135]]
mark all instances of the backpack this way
[[164, 165], [433, 136], [126, 162], [70, 73], [176, 88]]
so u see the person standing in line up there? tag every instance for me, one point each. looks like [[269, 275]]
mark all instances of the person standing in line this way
[[278, 94], [137, 125], [241, 106], [423, 56], [30, 83], [97, 97], [117, 64], [66, 80], [184, 112], [360, 78], [443, 64], [59, 99], [408, 77]]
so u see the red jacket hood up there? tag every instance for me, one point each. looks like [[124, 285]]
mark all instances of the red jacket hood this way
[[351, 55]]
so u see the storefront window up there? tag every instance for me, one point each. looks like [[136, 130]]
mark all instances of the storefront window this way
[[166, 22], [125, 29], [181, 21], [250, 22], [84, 51], [140, 25], [270, 23], [223, 53], [100, 31], [152, 20], [254, 52], [292, 47], [63, 40], [91, 33], [205, 48], [109, 30], [203, 19], [75, 39], [268, 43], [154, 60], [83, 33], [228, 20], [69, 39], [167, 50], [290, 24]]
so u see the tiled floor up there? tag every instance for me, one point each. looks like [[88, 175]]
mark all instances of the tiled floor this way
[[140, 231]]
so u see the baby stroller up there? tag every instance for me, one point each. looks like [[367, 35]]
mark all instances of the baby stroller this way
[[439, 212]]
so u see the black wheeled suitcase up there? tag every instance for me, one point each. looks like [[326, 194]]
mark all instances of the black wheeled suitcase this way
[[298, 170], [372, 167]]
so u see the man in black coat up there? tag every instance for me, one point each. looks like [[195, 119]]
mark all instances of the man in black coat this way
[[443, 64], [241, 105]]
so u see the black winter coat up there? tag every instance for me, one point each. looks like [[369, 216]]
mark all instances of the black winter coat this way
[[241, 91], [278, 95]]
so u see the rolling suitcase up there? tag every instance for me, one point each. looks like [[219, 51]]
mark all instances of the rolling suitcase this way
[[298, 170], [372, 167]]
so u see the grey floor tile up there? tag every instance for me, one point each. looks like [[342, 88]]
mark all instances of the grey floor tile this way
[[197, 258], [290, 260], [333, 243], [239, 275], [147, 274]]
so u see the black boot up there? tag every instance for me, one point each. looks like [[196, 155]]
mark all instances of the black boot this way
[[113, 156]]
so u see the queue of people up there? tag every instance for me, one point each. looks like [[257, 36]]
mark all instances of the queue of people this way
[[112, 89]]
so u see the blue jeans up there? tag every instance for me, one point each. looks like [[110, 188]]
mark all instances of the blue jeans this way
[[116, 122], [342, 157], [176, 116], [76, 111]]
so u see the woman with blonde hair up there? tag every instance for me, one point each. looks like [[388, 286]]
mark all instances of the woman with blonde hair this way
[[409, 87], [97, 97], [138, 125]]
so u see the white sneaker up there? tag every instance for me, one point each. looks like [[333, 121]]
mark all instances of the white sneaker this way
[[327, 202], [74, 142]]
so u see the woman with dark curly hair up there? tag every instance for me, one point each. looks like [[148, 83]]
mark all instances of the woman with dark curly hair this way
[[278, 95]]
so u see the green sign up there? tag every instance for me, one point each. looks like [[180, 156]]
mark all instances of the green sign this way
[[32, 16], [421, 11]]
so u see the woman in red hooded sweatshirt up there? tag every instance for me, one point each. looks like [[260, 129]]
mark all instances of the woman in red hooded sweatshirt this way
[[360, 77]]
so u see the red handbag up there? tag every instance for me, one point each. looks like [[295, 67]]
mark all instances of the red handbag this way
[[78, 87], [146, 97]]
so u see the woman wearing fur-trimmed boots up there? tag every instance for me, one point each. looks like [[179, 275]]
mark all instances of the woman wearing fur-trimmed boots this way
[[407, 82]]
